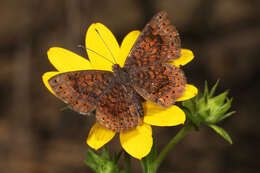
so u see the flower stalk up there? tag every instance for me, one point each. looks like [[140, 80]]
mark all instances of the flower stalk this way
[[184, 130]]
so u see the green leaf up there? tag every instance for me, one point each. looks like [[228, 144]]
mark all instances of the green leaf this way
[[101, 163], [92, 159], [221, 132], [105, 154]]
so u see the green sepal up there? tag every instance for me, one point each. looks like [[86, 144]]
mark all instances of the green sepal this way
[[219, 99], [221, 132], [223, 109], [217, 107], [190, 105], [206, 92], [225, 116], [213, 89], [193, 118]]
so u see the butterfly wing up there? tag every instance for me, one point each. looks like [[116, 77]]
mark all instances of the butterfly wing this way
[[119, 109], [158, 42], [162, 84], [81, 89]]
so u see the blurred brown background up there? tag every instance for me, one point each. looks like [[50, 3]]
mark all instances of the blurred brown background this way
[[36, 136]]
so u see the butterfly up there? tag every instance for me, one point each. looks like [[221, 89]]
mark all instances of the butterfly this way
[[117, 95]]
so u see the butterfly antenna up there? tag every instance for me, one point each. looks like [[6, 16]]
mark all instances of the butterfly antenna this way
[[80, 46], [106, 45]]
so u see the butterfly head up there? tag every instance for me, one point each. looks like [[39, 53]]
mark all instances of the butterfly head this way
[[116, 68]]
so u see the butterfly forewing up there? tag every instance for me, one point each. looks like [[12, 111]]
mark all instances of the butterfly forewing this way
[[162, 84], [119, 109], [81, 89], [158, 42]]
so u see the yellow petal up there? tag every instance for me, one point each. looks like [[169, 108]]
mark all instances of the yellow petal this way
[[46, 76], [190, 91], [157, 116], [186, 56], [101, 42], [64, 60], [127, 45], [99, 136], [137, 142]]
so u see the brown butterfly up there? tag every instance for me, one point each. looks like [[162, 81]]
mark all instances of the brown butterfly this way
[[116, 95]]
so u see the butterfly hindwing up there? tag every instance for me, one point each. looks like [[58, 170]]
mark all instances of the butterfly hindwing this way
[[119, 109], [158, 42], [81, 89], [161, 84]]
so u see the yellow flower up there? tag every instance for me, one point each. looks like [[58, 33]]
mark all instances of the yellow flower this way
[[136, 142]]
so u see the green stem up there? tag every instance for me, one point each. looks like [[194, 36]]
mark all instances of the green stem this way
[[144, 167], [171, 144], [128, 163]]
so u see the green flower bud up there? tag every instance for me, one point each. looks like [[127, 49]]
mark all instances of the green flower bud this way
[[209, 110]]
